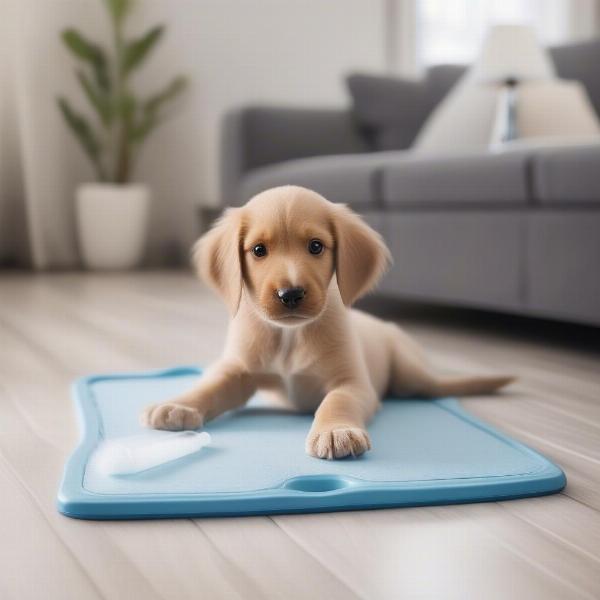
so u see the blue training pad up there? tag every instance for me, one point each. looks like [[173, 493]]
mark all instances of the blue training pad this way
[[424, 452]]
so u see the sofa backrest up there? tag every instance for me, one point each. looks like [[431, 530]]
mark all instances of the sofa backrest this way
[[581, 61]]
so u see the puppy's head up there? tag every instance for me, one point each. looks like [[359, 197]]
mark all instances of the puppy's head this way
[[283, 248]]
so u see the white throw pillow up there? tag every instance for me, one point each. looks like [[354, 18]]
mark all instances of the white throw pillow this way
[[555, 108], [463, 121]]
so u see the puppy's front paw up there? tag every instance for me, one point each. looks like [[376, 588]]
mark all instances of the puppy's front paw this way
[[171, 416], [338, 442]]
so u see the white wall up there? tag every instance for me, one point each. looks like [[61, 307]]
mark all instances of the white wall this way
[[235, 52]]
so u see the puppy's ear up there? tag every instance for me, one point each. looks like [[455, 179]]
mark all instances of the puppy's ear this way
[[361, 255], [216, 256]]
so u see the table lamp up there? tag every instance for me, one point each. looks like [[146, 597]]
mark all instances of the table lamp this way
[[510, 56]]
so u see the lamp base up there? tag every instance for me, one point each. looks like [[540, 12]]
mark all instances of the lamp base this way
[[505, 123]]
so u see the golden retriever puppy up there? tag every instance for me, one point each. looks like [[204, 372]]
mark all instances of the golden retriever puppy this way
[[289, 264]]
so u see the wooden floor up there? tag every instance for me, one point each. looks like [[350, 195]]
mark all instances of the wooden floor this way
[[54, 328]]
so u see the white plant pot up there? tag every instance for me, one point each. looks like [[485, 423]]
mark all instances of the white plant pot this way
[[112, 222]]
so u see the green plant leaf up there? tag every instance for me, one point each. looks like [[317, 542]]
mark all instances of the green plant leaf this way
[[89, 52], [81, 47], [169, 92], [126, 107], [84, 133], [118, 9], [136, 51], [98, 99], [151, 108]]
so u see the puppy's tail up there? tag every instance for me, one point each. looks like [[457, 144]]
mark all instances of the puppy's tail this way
[[469, 385], [411, 375]]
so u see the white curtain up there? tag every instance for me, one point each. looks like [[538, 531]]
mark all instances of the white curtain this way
[[451, 31], [36, 188], [40, 165]]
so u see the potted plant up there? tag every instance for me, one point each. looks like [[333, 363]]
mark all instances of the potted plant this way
[[113, 213]]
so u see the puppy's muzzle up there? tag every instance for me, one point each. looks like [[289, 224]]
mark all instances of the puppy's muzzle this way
[[291, 297]]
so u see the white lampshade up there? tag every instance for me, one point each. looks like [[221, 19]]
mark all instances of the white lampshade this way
[[512, 52]]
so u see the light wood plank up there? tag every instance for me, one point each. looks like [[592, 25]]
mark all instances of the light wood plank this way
[[250, 543], [410, 553], [35, 562]]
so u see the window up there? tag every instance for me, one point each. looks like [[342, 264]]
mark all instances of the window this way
[[451, 31]]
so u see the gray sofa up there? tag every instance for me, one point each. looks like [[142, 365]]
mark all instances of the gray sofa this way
[[517, 232]]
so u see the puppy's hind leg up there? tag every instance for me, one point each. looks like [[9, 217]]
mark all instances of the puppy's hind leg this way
[[410, 374]]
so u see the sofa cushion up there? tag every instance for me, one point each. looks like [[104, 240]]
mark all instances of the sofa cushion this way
[[388, 110], [567, 174], [343, 178], [580, 61], [468, 180], [470, 257], [562, 256], [391, 110]]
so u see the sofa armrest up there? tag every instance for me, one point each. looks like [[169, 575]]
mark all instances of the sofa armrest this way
[[257, 136]]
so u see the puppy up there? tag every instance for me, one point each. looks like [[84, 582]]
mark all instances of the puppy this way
[[289, 264]]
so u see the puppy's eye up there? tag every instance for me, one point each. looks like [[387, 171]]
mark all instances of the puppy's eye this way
[[259, 250], [315, 246]]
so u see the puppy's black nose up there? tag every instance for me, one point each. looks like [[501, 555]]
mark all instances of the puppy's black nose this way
[[291, 297]]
